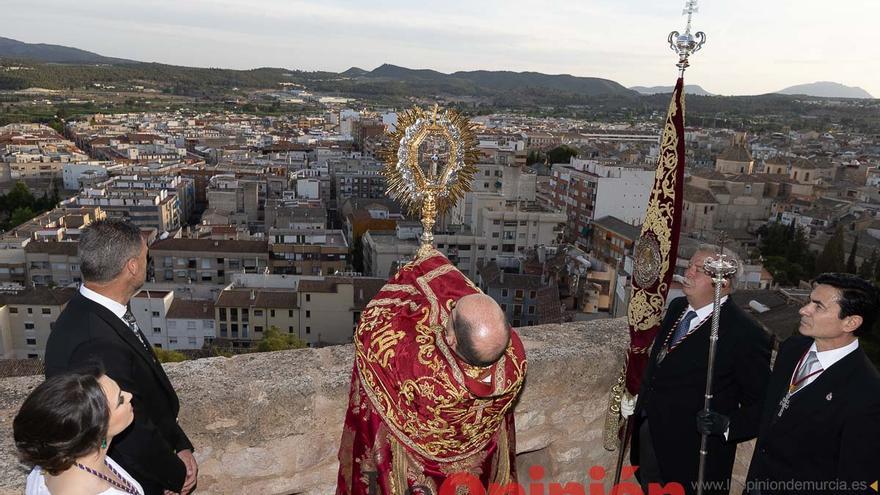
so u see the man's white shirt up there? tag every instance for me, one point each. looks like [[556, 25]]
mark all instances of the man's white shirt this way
[[117, 309]]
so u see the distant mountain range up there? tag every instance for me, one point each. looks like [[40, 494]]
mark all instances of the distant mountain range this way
[[689, 89], [10, 48], [826, 89], [492, 81], [61, 67]]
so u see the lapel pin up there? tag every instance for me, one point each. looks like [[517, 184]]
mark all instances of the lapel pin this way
[[828, 397]]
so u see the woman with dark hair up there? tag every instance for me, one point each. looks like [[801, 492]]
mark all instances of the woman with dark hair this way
[[64, 429]]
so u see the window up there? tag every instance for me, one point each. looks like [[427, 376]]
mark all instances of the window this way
[[222, 314], [192, 342], [233, 313], [208, 324], [308, 329], [172, 340], [28, 326], [272, 313], [158, 346], [46, 311], [191, 325], [171, 324], [157, 329], [518, 294], [290, 313], [31, 341], [531, 309], [290, 329], [33, 356], [155, 314], [30, 311], [503, 292], [308, 314], [223, 329], [504, 308], [258, 328], [13, 311], [258, 313], [308, 297], [533, 294], [515, 323]]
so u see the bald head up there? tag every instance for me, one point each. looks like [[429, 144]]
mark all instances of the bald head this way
[[479, 330]]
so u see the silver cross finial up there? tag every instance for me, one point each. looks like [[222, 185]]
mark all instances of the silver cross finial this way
[[686, 44]]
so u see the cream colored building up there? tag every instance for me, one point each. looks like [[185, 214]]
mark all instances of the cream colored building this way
[[26, 320]]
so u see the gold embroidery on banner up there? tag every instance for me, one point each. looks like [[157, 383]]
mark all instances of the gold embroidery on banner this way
[[346, 450], [646, 304]]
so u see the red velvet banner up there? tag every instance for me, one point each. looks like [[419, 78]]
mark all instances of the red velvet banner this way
[[657, 247]]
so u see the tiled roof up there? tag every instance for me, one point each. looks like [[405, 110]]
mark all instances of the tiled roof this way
[[693, 194], [20, 367], [40, 296], [736, 153], [618, 226], [365, 289], [191, 309], [69, 248], [259, 298]]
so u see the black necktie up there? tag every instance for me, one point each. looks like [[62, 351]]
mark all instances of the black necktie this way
[[132, 324]]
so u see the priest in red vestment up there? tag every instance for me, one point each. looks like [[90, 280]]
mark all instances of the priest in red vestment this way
[[437, 372]]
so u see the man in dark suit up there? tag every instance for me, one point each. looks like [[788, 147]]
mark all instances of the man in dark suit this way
[[820, 428], [666, 441], [98, 325]]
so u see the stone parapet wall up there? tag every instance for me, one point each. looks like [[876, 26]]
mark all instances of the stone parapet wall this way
[[270, 423]]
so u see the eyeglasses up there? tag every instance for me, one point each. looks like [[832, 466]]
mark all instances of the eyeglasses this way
[[698, 268]]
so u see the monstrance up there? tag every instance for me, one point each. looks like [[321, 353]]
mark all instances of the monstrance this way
[[429, 164]]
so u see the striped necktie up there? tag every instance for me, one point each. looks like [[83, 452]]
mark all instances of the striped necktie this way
[[683, 326]]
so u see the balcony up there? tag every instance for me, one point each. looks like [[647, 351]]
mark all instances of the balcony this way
[[270, 431]]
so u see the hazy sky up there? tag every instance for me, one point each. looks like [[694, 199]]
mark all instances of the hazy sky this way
[[754, 46]]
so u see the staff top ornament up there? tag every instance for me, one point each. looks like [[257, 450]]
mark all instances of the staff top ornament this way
[[429, 164]]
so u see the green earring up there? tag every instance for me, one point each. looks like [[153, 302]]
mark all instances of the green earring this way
[[104, 443]]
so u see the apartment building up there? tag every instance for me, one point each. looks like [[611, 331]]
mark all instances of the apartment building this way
[[52, 263], [587, 189], [206, 260], [27, 318], [302, 251], [244, 314]]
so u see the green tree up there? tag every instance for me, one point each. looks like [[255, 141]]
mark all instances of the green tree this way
[[274, 340], [169, 356], [19, 196], [562, 154], [786, 253], [851, 261], [831, 258], [20, 215], [866, 270]]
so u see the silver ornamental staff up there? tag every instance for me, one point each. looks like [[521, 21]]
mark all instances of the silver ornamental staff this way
[[684, 45], [719, 267]]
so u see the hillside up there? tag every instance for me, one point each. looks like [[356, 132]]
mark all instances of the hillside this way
[[826, 89], [41, 52]]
